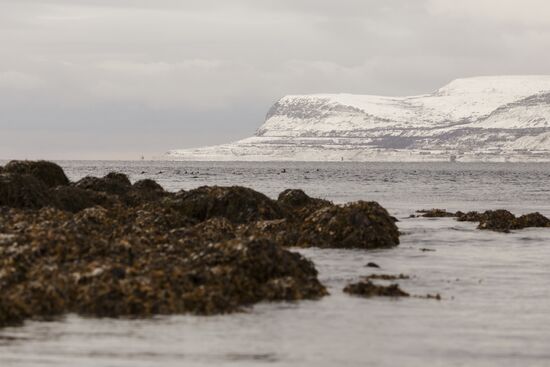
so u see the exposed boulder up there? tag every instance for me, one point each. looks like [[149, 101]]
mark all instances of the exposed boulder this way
[[23, 191], [113, 183], [298, 204], [531, 220], [49, 173], [145, 191], [504, 221], [282, 231], [366, 288], [75, 199], [357, 225], [497, 220], [237, 204], [138, 262], [148, 186], [471, 216]]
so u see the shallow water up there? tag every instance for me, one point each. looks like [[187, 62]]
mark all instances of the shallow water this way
[[494, 286]]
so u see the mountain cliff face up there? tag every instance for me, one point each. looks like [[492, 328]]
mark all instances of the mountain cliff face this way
[[484, 118]]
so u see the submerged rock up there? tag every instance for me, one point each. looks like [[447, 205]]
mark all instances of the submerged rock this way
[[471, 216], [386, 277], [436, 213], [366, 288], [357, 225], [49, 173]]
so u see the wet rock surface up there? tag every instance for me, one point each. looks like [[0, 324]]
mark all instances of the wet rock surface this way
[[237, 204], [49, 173], [436, 213], [366, 288], [23, 191], [362, 224], [495, 220], [105, 247]]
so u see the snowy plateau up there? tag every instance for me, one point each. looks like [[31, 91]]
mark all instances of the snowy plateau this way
[[497, 118]]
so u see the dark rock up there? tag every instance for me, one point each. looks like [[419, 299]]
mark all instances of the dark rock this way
[[369, 289], [531, 220], [237, 204], [113, 183], [138, 262], [372, 265], [75, 199], [357, 225], [49, 173], [281, 231], [148, 185], [23, 191], [386, 277], [299, 204], [497, 220], [436, 213], [470, 217], [145, 191], [504, 221]]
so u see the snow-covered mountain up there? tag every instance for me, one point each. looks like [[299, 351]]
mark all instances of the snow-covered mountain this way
[[485, 118]]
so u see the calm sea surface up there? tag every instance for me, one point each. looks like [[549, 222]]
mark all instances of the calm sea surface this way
[[495, 287]]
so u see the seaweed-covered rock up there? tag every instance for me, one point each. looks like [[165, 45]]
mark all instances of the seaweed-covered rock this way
[[299, 204], [75, 199], [504, 221], [49, 173], [145, 191], [357, 225], [238, 204], [497, 220], [148, 186], [138, 261], [471, 216], [23, 191], [113, 183], [366, 288], [281, 231], [436, 213], [531, 220]]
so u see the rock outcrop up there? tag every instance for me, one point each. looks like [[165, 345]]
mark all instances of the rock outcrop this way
[[108, 248]]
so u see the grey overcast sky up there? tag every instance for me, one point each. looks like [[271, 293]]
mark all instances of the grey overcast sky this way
[[114, 79]]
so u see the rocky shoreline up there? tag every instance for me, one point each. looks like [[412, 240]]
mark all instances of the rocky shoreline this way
[[106, 247], [495, 220]]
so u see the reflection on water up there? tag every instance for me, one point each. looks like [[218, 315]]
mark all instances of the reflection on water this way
[[494, 286]]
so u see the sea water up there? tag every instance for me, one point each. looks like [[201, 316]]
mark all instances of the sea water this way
[[495, 287]]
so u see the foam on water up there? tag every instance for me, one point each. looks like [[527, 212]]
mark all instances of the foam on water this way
[[494, 286]]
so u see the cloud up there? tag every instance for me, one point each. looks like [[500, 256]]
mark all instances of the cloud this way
[[526, 13], [17, 81]]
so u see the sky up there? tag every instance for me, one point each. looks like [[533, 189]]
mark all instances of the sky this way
[[117, 79]]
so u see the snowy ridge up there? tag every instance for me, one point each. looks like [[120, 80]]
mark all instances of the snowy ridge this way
[[482, 118]]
